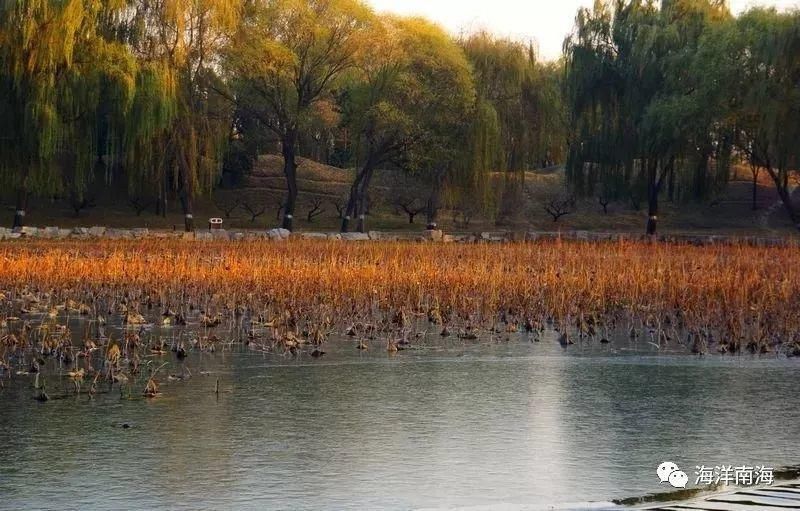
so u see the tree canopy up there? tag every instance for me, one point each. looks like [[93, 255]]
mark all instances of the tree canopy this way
[[287, 57], [178, 125], [63, 80], [638, 120], [651, 101]]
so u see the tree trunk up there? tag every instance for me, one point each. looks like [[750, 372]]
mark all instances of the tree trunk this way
[[652, 197], [701, 179], [186, 204], [652, 212], [671, 188], [655, 184], [21, 207], [186, 196], [781, 184], [350, 210], [755, 190], [432, 209], [290, 171], [362, 196]]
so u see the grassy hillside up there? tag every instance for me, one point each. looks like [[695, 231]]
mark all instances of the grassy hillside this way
[[326, 188]]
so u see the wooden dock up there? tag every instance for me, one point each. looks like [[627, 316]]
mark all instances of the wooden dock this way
[[782, 496]]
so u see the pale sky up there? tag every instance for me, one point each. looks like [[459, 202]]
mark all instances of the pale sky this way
[[545, 21]]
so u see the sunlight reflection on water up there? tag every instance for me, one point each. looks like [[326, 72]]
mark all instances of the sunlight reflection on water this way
[[512, 425]]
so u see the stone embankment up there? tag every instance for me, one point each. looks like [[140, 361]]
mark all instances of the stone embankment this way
[[88, 233]]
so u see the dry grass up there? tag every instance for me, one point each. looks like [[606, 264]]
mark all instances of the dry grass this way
[[727, 299]]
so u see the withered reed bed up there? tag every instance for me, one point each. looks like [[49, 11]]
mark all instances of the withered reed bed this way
[[735, 296]]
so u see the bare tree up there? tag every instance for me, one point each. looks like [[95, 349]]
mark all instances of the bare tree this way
[[316, 208], [636, 201], [560, 206], [227, 204], [407, 194], [139, 204], [604, 202], [253, 209], [279, 206], [411, 206], [340, 204]]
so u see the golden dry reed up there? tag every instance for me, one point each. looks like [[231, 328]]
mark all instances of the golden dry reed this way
[[734, 297]]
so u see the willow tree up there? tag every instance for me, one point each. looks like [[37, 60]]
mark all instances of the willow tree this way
[[637, 119], [525, 94], [525, 97], [437, 89], [57, 70], [288, 56], [469, 183], [178, 124], [761, 68]]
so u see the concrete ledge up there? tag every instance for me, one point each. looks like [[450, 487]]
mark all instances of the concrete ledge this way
[[279, 234], [355, 236], [436, 236], [97, 231], [313, 236]]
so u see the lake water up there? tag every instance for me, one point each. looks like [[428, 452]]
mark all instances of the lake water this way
[[508, 425]]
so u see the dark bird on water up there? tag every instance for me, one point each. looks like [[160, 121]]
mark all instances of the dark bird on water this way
[[42, 396]]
